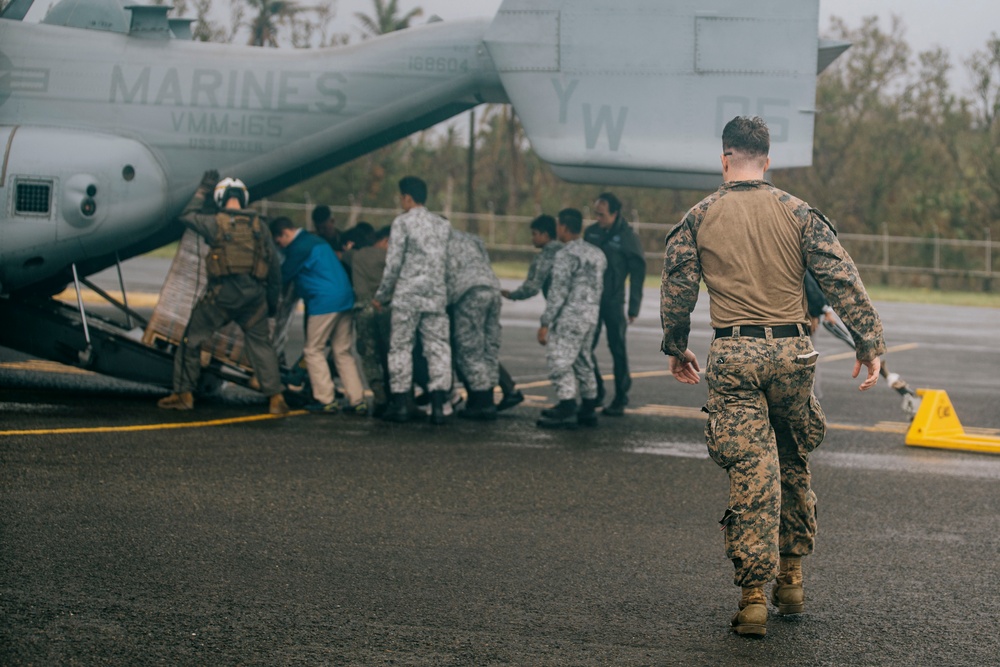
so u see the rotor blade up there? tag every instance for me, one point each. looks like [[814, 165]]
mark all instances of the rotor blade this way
[[838, 331]]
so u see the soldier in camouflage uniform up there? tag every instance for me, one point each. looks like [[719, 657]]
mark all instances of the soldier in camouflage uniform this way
[[572, 309], [474, 301], [373, 326], [543, 237], [414, 281], [752, 244], [244, 281]]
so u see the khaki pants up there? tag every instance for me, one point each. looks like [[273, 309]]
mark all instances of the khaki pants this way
[[338, 330]]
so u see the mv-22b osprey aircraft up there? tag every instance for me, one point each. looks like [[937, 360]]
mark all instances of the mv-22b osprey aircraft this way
[[109, 115]]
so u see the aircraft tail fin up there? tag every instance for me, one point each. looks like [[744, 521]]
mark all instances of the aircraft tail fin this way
[[637, 93], [829, 50], [16, 10]]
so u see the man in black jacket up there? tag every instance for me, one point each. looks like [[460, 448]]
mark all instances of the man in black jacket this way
[[612, 234]]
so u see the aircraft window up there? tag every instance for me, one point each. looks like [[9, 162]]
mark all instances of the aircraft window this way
[[33, 198]]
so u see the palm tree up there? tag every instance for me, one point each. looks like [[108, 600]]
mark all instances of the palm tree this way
[[386, 18], [268, 14], [203, 28]]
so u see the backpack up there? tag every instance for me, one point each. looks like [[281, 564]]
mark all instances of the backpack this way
[[239, 247]]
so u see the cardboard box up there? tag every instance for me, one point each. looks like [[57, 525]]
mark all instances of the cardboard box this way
[[185, 284]]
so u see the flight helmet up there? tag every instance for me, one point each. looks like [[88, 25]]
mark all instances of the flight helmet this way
[[231, 187]]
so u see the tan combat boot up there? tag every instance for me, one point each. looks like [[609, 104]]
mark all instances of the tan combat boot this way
[[787, 594], [278, 405], [751, 620], [183, 401]]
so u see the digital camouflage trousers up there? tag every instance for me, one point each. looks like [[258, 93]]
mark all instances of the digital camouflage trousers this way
[[372, 328], [476, 338], [763, 421], [569, 357], [435, 336]]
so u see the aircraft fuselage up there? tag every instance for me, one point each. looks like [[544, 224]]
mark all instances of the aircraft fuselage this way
[[136, 121], [107, 126]]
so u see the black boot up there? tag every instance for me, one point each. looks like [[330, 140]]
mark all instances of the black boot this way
[[398, 410], [617, 407], [587, 416], [488, 409], [471, 405], [562, 416], [479, 407], [553, 412], [437, 407], [510, 400]]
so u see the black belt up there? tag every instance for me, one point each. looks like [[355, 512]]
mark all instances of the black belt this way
[[755, 331]]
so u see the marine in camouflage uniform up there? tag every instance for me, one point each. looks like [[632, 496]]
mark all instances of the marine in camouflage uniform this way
[[372, 326], [572, 310], [474, 301], [244, 283], [752, 244], [414, 282]]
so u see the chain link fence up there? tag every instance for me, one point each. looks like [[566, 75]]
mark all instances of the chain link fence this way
[[900, 261]]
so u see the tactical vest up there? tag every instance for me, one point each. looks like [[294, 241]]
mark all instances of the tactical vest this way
[[239, 247]]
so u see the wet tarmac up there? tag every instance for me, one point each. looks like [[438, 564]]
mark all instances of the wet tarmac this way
[[221, 536]]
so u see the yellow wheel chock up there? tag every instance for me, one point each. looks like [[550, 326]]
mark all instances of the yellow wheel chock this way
[[936, 425]]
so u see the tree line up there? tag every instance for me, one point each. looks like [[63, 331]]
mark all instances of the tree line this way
[[896, 148]]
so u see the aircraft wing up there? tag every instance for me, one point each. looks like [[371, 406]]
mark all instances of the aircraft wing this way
[[637, 92]]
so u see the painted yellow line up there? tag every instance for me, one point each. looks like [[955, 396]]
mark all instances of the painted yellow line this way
[[91, 298], [696, 413], [42, 366], [972, 430], [850, 355], [676, 411], [823, 360], [652, 410], [665, 373], [683, 412], [901, 427], [878, 428], [135, 299], [533, 385], [668, 411], [152, 427]]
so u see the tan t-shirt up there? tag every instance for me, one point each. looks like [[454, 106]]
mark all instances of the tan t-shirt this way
[[749, 246]]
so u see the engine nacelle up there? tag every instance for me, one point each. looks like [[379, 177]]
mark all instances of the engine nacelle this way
[[70, 195]]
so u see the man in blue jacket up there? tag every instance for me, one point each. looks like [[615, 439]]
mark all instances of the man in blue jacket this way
[[323, 284]]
